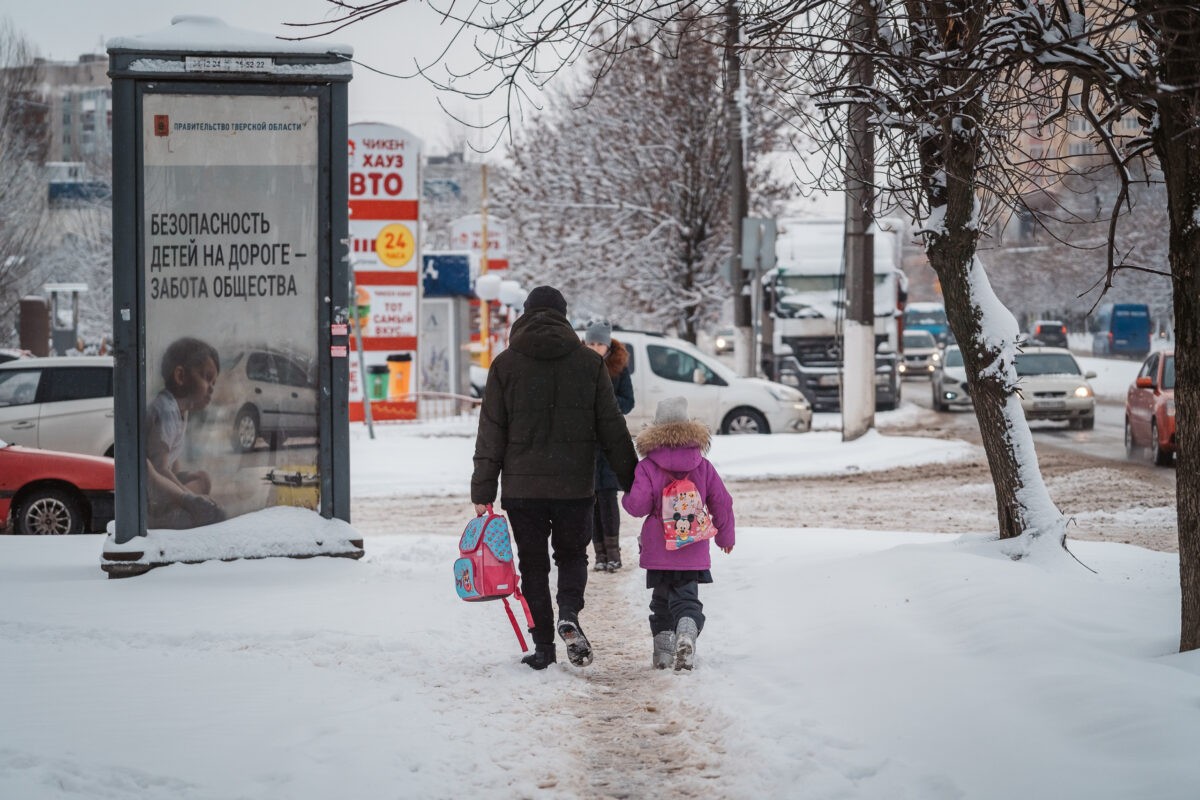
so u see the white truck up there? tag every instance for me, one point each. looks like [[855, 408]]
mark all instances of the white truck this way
[[806, 301]]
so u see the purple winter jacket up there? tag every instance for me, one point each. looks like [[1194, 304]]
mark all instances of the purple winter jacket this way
[[677, 448]]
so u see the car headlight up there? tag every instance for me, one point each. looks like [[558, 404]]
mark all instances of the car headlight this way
[[936, 358], [1083, 391], [784, 394]]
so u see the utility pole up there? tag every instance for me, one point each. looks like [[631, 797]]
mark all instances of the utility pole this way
[[743, 350], [858, 336]]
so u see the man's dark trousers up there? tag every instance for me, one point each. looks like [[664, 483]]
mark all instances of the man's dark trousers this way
[[542, 526]]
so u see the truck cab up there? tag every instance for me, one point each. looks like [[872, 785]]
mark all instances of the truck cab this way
[[808, 305]]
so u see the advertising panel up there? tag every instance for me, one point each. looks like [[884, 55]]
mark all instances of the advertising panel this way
[[384, 251], [230, 244], [466, 233]]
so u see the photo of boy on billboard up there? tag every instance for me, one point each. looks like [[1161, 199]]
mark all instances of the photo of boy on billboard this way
[[178, 498]]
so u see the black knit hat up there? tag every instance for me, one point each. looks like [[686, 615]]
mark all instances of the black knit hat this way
[[546, 297]]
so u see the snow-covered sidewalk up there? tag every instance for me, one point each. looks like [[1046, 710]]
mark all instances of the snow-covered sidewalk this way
[[835, 664]]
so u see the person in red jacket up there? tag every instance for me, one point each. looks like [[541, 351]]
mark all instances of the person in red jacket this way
[[673, 448]]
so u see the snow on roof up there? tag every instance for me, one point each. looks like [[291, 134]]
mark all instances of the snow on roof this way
[[204, 34]]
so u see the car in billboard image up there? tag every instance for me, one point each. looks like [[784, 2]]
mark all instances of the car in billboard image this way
[[47, 492], [63, 403], [1150, 409], [1053, 387], [266, 393], [949, 381]]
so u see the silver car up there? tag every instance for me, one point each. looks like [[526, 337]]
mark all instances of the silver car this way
[[921, 355], [1053, 387], [949, 381]]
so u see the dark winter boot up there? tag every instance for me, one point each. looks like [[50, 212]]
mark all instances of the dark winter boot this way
[[579, 650], [542, 656]]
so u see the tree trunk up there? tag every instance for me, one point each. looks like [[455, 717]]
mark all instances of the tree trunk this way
[[1022, 504], [1177, 145], [952, 261]]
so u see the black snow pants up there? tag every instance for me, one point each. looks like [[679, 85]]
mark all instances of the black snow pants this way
[[542, 527]]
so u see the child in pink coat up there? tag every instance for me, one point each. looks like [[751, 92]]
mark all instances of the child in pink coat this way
[[673, 447]]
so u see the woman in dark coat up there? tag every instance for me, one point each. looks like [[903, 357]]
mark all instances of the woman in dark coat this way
[[606, 527]]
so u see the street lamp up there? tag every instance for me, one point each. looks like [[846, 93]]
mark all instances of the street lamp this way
[[512, 295], [487, 289]]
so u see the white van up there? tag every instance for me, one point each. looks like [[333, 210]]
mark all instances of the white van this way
[[63, 403], [662, 367]]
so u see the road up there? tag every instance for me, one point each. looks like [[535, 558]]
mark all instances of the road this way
[[1106, 440]]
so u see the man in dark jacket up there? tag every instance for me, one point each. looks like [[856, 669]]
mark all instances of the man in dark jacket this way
[[547, 404]]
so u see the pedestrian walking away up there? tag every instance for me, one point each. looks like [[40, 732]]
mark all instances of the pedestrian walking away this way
[[675, 552], [606, 519], [547, 405]]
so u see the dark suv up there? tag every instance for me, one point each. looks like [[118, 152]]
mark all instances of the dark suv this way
[[1048, 333]]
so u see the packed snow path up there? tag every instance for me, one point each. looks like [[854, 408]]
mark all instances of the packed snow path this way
[[636, 737]]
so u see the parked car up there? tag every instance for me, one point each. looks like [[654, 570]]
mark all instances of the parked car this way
[[61, 404], [1122, 329], [1053, 387], [1048, 333], [266, 393], [949, 381], [47, 492], [1150, 409], [920, 355], [661, 367]]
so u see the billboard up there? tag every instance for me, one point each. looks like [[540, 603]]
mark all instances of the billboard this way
[[384, 251], [230, 287]]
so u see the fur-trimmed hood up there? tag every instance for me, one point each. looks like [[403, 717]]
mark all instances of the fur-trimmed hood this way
[[673, 434], [617, 359]]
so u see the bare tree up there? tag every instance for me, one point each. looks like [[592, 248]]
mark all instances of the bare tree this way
[[22, 187], [1143, 58], [944, 113], [621, 186]]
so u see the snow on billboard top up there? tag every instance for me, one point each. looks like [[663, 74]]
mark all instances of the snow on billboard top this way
[[204, 34]]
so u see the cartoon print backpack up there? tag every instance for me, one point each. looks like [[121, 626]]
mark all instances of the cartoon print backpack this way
[[685, 517], [485, 570]]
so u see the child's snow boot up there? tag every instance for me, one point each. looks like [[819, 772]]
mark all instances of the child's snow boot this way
[[664, 649], [685, 643], [541, 657], [579, 650]]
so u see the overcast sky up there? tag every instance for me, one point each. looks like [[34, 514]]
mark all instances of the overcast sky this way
[[62, 30]]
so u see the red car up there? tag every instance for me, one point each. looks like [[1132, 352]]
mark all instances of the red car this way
[[47, 492], [1150, 409]]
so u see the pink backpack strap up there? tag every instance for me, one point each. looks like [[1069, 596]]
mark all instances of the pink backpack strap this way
[[513, 619], [508, 609]]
